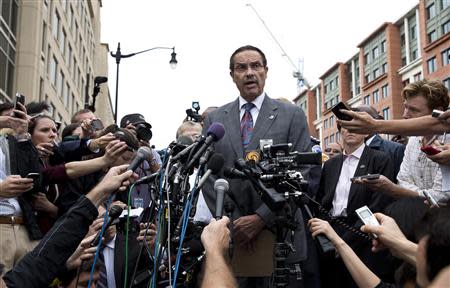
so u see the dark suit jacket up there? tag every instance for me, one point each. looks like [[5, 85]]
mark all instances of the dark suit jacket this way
[[279, 121], [371, 162], [393, 149]]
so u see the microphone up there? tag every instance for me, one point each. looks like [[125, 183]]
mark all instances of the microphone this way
[[214, 134], [214, 165], [147, 179], [114, 213], [234, 173], [206, 156], [143, 153], [188, 149], [221, 187]]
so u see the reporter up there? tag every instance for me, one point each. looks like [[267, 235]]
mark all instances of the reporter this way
[[39, 267]]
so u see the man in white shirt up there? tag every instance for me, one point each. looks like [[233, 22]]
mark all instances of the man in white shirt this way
[[418, 174]]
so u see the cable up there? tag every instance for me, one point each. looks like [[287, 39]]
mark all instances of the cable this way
[[102, 231], [186, 214], [127, 228]]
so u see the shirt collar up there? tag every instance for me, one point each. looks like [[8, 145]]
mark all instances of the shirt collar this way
[[358, 152], [368, 141], [258, 101]]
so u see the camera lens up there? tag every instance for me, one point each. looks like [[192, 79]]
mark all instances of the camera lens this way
[[143, 132]]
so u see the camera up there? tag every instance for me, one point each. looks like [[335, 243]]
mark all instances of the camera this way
[[192, 113], [143, 128]]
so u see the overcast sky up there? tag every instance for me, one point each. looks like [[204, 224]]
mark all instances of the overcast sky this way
[[205, 34]]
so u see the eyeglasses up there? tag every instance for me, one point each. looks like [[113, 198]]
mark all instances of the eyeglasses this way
[[241, 67], [328, 150]]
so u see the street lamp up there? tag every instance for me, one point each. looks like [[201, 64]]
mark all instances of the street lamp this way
[[118, 55]]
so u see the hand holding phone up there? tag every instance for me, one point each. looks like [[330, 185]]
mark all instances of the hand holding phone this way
[[337, 111], [367, 217], [430, 199], [430, 150], [368, 177]]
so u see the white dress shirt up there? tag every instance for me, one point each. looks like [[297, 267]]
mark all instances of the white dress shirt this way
[[419, 173], [340, 199], [108, 254], [255, 112], [8, 206]]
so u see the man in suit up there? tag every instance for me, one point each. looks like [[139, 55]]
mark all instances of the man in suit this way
[[341, 197], [393, 149], [248, 120]]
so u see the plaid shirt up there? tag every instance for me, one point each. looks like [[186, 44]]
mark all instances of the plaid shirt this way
[[418, 173]]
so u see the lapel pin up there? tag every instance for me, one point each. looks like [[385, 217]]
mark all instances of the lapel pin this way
[[362, 166], [271, 117]]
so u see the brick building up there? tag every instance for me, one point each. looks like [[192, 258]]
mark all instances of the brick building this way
[[415, 46]]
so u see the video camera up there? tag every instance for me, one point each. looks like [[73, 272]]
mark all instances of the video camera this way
[[192, 113]]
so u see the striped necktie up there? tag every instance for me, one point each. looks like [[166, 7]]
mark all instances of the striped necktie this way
[[102, 281], [247, 124]]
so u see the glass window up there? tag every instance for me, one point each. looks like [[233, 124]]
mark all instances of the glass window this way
[[413, 32], [431, 65], [446, 57], [325, 123], [366, 58], [414, 55], [375, 52], [417, 77], [384, 68], [53, 67], [403, 61], [432, 36], [44, 36], [431, 11], [447, 83], [385, 91], [446, 26], [62, 42], [402, 40], [445, 4], [383, 46], [376, 96], [60, 83], [386, 113], [367, 100], [66, 93], [376, 73], [332, 138], [55, 25], [331, 121]]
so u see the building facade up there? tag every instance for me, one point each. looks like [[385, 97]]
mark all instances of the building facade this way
[[53, 55], [395, 54]]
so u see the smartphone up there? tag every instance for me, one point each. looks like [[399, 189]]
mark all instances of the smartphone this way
[[368, 177], [367, 217], [33, 176], [430, 150], [19, 99], [336, 110], [430, 199], [436, 113]]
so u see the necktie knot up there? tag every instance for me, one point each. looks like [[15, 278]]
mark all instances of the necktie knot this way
[[248, 106]]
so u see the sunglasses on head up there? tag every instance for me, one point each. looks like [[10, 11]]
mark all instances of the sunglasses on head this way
[[328, 150]]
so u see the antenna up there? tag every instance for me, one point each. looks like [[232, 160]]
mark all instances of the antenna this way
[[298, 73]]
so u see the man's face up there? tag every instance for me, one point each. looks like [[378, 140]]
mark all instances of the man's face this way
[[351, 139], [415, 107], [249, 74], [85, 116]]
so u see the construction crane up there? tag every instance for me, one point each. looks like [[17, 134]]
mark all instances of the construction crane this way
[[301, 81]]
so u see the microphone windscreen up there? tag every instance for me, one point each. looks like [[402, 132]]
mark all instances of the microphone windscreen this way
[[217, 130], [215, 163], [144, 152], [115, 211], [221, 183], [185, 140], [100, 79]]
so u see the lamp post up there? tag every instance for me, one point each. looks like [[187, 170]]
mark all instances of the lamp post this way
[[118, 55]]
